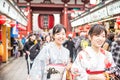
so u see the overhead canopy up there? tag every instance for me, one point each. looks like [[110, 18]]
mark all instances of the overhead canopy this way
[[97, 13]]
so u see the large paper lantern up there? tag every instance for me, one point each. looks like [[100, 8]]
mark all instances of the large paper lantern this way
[[2, 19], [45, 21], [118, 20]]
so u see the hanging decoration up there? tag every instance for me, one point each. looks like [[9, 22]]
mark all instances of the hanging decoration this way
[[87, 26], [46, 21], [80, 28], [20, 27], [118, 20], [12, 23], [2, 19], [14, 32]]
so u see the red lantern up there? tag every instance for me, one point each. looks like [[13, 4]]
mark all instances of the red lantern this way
[[45, 21], [2, 19], [12, 23], [80, 28], [20, 27], [118, 20], [87, 26]]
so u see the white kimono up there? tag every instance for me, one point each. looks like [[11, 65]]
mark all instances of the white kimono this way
[[49, 54], [88, 60]]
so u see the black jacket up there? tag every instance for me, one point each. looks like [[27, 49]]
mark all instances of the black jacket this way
[[27, 47]]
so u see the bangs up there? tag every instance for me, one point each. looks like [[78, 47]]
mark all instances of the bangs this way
[[58, 28], [97, 29]]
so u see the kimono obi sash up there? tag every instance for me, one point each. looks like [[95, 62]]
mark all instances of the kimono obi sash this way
[[55, 71], [107, 65], [95, 72]]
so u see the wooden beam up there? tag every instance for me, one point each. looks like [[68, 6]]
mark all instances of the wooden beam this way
[[52, 5], [48, 12]]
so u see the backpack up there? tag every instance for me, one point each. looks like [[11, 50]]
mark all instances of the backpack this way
[[84, 43]]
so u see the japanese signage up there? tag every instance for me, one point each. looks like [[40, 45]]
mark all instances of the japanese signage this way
[[99, 14], [113, 8]]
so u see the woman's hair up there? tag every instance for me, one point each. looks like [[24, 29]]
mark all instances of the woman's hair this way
[[47, 36], [31, 34], [111, 36], [57, 28], [97, 29]]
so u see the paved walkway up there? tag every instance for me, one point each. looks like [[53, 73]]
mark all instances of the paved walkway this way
[[14, 70]]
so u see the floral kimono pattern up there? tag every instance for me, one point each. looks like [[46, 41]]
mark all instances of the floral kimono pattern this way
[[88, 61], [49, 54]]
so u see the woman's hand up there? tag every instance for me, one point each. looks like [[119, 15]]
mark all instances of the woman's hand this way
[[97, 77], [68, 67]]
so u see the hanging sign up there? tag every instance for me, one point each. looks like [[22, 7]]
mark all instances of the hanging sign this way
[[99, 14], [114, 8], [14, 32]]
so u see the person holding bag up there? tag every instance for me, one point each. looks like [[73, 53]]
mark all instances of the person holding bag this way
[[27, 48], [51, 63], [94, 63]]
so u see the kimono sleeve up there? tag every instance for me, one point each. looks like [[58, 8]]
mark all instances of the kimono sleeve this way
[[113, 68], [110, 58], [37, 70], [78, 68]]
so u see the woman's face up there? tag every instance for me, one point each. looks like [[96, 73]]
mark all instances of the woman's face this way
[[48, 38], [33, 37], [98, 40], [60, 37]]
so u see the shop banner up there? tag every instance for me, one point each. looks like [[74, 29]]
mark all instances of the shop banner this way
[[113, 8], [87, 19], [14, 32], [99, 14], [13, 12]]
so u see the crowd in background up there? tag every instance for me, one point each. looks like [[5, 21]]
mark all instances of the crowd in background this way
[[33, 43]]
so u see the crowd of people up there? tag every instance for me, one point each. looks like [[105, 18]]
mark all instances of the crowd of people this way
[[88, 56]]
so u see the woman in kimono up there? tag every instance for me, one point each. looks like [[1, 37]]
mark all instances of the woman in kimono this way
[[53, 54], [91, 63]]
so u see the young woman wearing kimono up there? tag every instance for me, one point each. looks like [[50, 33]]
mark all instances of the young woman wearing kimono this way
[[92, 62], [51, 62]]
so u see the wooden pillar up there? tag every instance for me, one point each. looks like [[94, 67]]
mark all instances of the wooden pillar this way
[[61, 18], [4, 41], [29, 27], [65, 17]]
